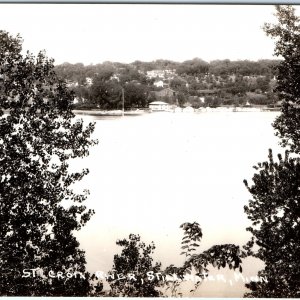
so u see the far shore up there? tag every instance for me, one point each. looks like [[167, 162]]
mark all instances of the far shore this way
[[99, 112], [138, 112]]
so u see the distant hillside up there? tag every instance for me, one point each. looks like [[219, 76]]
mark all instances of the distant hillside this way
[[190, 83], [194, 67]]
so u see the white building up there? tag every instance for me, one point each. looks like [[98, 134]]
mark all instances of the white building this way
[[155, 73], [89, 81], [71, 83], [164, 74], [159, 83], [159, 106], [115, 77]]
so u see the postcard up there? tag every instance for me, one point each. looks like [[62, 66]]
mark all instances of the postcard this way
[[128, 138]]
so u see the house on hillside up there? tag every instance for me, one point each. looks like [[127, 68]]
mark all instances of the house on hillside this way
[[88, 81], [162, 74], [203, 95], [165, 93], [155, 74], [232, 77], [159, 83], [71, 84], [115, 77]]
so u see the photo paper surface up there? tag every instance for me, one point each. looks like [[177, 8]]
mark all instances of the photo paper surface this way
[[177, 104]]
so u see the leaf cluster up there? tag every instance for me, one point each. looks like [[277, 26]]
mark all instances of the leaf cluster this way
[[136, 259], [219, 256], [275, 216], [39, 209]]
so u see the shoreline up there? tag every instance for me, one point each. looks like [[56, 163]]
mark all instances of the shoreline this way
[[119, 113]]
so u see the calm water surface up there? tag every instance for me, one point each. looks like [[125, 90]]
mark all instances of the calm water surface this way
[[151, 173]]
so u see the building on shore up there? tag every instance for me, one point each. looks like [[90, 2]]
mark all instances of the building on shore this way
[[159, 106]]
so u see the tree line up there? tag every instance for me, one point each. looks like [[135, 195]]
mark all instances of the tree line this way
[[195, 67], [195, 83]]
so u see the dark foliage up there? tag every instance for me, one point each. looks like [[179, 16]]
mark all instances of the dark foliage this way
[[275, 215], [275, 208], [193, 67], [106, 94], [219, 256], [135, 95], [39, 210], [134, 262], [188, 78], [287, 36]]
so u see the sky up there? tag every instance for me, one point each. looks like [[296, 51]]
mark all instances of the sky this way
[[94, 33]]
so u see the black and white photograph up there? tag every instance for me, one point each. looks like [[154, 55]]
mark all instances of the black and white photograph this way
[[150, 150]]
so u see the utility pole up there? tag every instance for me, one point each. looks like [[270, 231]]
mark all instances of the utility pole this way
[[123, 102]]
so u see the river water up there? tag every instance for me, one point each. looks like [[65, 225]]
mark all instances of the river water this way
[[151, 173]]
